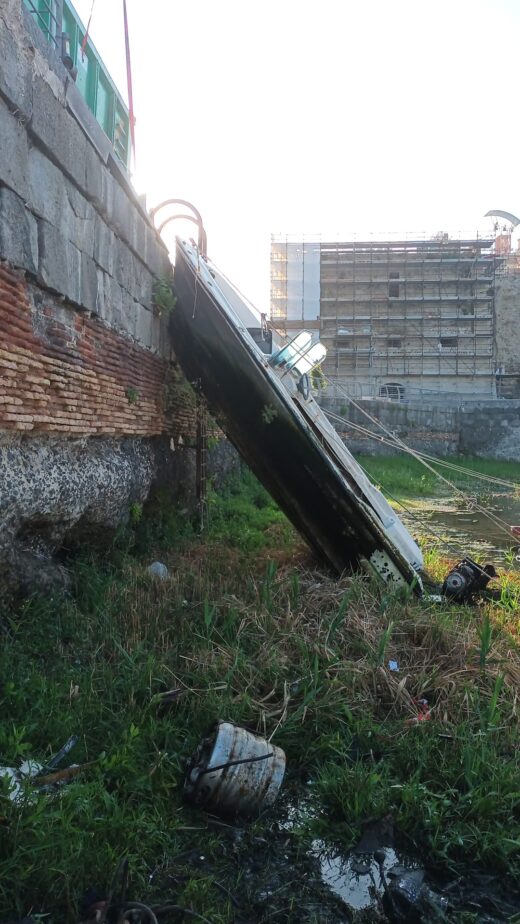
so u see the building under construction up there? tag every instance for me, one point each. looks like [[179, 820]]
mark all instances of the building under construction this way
[[398, 317]]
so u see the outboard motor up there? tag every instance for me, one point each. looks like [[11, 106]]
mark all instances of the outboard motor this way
[[466, 579]]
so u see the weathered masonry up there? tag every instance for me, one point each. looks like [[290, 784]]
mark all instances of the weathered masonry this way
[[398, 317], [488, 429], [90, 408]]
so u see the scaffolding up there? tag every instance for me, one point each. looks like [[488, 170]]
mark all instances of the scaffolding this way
[[394, 314]]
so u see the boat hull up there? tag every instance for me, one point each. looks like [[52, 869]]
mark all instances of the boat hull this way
[[269, 430]]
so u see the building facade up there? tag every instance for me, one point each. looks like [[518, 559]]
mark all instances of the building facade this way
[[398, 317]]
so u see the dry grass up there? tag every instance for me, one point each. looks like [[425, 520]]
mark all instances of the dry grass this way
[[265, 638], [342, 625]]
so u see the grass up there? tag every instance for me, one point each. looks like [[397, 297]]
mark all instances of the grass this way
[[249, 629], [404, 476]]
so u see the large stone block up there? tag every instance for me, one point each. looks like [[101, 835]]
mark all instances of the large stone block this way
[[14, 152], [156, 256], [58, 132], [128, 315], [79, 220], [15, 72], [123, 214], [139, 242], [94, 177], [123, 265], [132, 274], [46, 187], [156, 334], [108, 192], [104, 245], [143, 325], [55, 198], [90, 294], [110, 305], [145, 287], [59, 263], [18, 232], [100, 308]]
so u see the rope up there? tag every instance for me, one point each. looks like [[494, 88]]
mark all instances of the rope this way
[[498, 521], [494, 518], [411, 513], [469, 472], [423, 459], [396, 442]]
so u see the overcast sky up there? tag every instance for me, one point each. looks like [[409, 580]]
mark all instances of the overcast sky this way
[[331, 116]]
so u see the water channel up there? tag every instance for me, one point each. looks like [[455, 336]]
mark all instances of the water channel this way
[[460, 529]]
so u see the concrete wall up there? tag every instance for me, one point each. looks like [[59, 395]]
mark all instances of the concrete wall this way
[[490, 430], [91, 412]]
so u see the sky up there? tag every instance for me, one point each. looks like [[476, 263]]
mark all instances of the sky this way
[[319, 116]]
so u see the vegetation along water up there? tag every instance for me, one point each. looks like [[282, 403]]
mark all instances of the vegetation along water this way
[[248, 627]]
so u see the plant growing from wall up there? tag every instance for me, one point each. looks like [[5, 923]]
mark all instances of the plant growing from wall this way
[[132, 395], [164, 300], [179, 390]]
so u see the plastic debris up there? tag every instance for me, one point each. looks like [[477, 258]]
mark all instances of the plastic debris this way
[[423, 712], [31, 775], [17, 779], [393, 666], [158, 570], [408, 898], [234, 772]]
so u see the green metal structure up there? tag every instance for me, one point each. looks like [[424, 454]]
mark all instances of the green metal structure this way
[[58, 18]]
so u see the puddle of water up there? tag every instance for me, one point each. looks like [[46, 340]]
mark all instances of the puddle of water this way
[[356, 879], [469, 532]]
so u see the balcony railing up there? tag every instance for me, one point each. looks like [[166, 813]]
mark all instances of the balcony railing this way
[[64, 30]]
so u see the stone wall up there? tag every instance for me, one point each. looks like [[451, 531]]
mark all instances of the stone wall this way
[[93, 412], [68, 214], [489, 429], [433, 430]]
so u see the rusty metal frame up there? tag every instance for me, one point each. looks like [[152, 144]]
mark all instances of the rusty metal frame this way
[[196, 218]]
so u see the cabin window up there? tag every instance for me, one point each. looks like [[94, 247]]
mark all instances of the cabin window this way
[[393, 287]]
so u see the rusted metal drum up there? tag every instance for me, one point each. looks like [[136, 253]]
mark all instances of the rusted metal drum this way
[[234, 772]]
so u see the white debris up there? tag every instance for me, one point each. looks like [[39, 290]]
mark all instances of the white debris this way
[[158, 570], [16, 778]]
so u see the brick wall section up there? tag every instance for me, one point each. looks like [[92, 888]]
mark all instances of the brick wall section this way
[[62, 371]]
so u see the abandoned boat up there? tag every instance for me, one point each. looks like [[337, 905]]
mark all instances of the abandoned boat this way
[[260, 393]]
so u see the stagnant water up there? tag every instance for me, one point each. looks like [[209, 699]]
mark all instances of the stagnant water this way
[[376, 881], [466, 530]]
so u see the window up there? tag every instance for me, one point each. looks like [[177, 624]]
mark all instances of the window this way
[[393, 287], [394, 343], [449, 343]]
